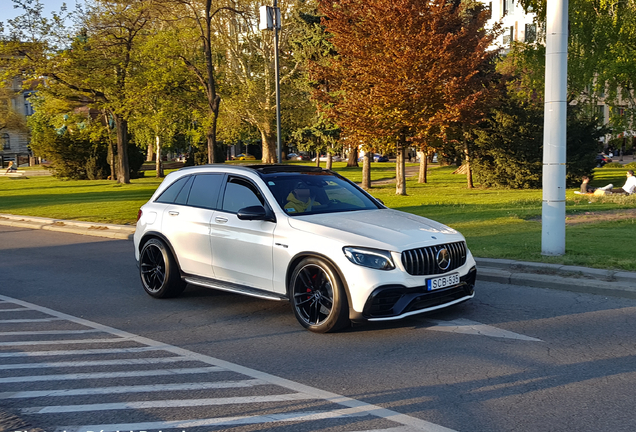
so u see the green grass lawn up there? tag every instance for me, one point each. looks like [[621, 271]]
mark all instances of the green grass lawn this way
[[497, 223]]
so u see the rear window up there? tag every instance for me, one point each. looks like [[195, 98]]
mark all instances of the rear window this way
[[170, 194]]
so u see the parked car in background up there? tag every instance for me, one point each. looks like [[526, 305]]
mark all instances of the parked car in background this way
[[298, 156], [334, 158], [300, 234], [376, 158], [602, 159], [244, 156]]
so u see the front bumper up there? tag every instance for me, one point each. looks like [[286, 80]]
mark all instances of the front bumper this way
[[393, 302]]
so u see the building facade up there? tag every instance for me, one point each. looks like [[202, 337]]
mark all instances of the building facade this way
[[14, 143]]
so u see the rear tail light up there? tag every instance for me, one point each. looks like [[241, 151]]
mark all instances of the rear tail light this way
[[139, 213]]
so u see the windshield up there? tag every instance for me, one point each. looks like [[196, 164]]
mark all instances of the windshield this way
[[317, 192]]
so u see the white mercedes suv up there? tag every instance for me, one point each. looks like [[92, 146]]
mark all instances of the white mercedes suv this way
[[301, 234]]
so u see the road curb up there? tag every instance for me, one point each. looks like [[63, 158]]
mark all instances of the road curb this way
[[616, 283], [122, 232], [555, 276]]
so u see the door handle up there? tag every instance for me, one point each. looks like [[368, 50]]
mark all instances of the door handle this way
[[220, 220], [173, 213]]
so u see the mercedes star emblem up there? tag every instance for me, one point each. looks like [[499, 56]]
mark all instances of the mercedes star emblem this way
[[443, 259]]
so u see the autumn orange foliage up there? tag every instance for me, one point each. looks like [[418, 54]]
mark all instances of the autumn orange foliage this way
[[405, 70]]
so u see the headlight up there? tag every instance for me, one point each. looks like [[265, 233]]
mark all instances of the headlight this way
[[372, 258]]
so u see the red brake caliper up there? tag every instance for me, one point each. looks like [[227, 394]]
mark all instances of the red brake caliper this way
[[313, 279]]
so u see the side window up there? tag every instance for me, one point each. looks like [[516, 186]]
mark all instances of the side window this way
[[170, 194], [182, 198], [205, 190], [240, 193]]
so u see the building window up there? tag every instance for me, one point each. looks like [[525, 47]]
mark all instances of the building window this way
[[28, 108], [6, 141], [531, 33], [508, 7], [509, 38], [600, 113]]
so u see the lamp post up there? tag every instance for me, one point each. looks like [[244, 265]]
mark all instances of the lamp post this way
[[270, 20], [554, 134]]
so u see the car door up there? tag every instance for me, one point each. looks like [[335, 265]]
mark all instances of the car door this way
[[186, 223], [242, 249]]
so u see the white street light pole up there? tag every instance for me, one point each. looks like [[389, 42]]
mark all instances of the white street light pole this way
[[554, 135], [277, 76], [270, 20]]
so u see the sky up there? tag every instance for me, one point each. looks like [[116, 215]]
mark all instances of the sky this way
[[7, 11]]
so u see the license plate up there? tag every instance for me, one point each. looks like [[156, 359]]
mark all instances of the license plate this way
[[443, 281]]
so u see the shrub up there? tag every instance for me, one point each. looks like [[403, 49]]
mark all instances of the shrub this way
[[136, 158], [614, 165], [509, 146], [97, 167], [631, 166]]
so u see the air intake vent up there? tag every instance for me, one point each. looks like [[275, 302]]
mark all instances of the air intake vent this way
[[432, 260]]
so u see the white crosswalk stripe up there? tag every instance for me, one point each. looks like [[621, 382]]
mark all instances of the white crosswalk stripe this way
[[62, 342], [167, 403], [119, 362], [109, 375], [224, 421], [132, 389], [152, 389], [28, 320], [48, 332], [80, 352]]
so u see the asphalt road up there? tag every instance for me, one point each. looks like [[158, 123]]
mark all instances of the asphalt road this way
[[82, 347]]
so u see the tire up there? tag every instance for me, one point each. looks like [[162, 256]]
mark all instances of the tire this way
[[159, 271], [318, 297]]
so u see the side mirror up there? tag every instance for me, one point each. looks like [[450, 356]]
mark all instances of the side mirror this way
[[255, 213]]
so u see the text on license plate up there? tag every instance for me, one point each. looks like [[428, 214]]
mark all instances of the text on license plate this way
[[443, 281]]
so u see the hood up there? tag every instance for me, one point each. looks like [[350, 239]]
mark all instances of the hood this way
[[383, 228]]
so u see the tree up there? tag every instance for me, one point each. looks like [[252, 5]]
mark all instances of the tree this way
[[10, 118], [72, 143], [203, 16], [94, 67], [601, 55], [163, 91], [509, 145], [248, 61], [321, 136], [310, 44], [400, 68]]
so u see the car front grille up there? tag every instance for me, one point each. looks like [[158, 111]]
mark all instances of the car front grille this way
[[423, 261], [394, 300]]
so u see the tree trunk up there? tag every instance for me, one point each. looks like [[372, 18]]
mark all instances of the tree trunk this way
[[150, 153], [158, 162], [423, 172], [469, 171], [366, 170], [622, 150], [400, 178], [111, 160], [268, 138], [352, 159], [111, 148], [123, 169], [211, 139], [329, 161]]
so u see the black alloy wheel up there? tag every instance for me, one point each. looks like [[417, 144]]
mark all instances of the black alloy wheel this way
[[318, 297], [159, 271]]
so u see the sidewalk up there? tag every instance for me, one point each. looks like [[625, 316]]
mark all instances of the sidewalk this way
[[540, 275]]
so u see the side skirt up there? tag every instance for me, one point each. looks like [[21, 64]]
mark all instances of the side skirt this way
[[234, 288]]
